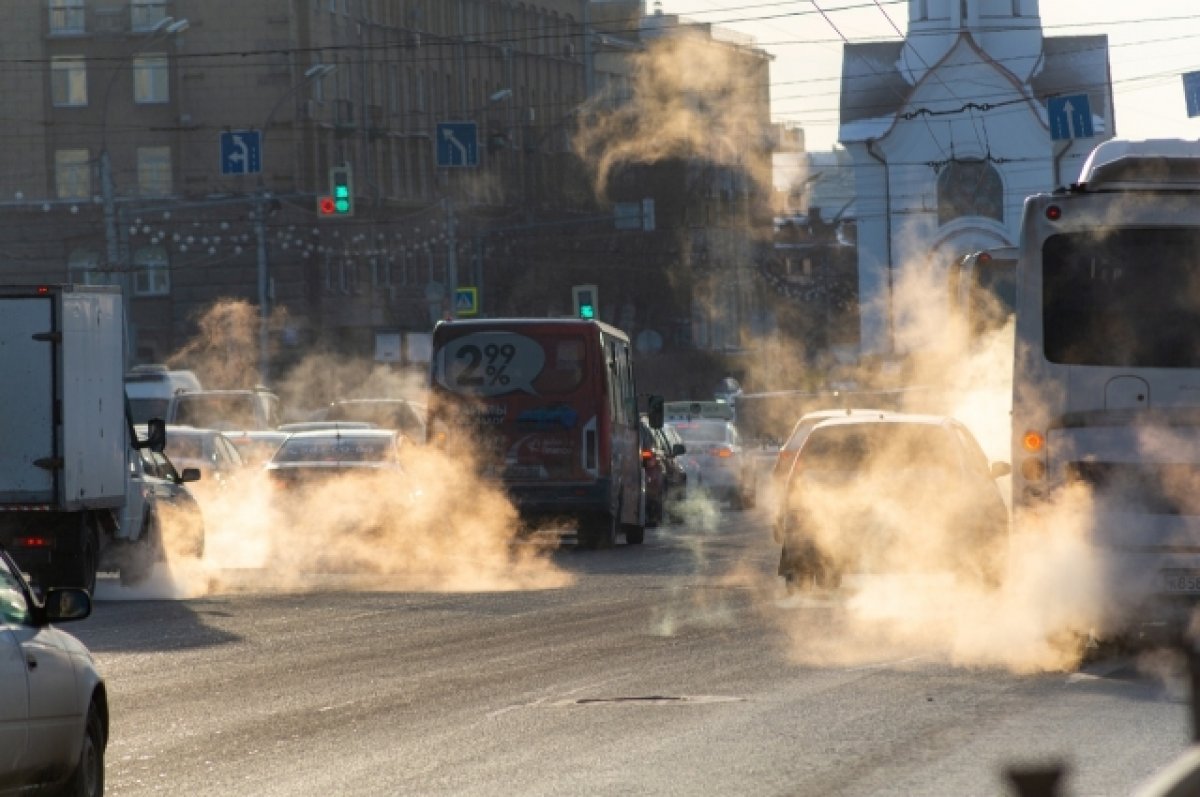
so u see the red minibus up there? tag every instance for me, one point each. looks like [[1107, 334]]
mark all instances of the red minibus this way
[[549, 408]]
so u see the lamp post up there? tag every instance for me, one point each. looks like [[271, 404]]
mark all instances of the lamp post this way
[[314, 72], [167, 26]]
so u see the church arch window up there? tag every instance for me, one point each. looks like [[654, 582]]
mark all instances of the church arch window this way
[[969, 188]]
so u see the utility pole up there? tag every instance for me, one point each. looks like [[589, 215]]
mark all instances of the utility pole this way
[[451, 254], [264, 311]]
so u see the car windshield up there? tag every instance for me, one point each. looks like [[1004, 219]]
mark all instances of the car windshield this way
[[337, 449], [886, 446], [216, 412]]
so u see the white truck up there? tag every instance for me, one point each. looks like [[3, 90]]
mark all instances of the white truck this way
[[71, 468]]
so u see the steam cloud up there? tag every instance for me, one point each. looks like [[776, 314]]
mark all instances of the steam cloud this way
[[436, 526]]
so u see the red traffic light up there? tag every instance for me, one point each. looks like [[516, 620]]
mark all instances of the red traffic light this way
[[326, 206]]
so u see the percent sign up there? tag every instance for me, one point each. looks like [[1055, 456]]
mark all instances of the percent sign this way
[[496, 375], [495, 372]]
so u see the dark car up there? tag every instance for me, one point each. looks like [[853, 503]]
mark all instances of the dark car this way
[[352, 479], [53, 704], [655, 466], [306, 459], [671, 452], [891, 493]]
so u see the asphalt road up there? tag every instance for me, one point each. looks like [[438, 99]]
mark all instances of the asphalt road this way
[[677, 667]]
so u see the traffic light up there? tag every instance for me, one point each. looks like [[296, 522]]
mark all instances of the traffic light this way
[[340, 201], [586, 301]]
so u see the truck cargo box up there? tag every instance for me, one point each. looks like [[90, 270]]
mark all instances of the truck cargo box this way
[[62, 414]]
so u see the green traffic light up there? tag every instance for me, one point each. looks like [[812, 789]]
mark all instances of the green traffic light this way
[[587, 311], [341, 192], [341, 205]]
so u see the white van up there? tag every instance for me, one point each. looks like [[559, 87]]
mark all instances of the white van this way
[[150, 389], [225, 409]]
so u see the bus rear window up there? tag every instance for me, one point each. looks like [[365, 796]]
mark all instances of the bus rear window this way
[[1124, 297], [498, 362]]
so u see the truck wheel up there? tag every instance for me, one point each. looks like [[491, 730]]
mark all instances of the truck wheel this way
[[138, 558], [78, 569], [598, 531]]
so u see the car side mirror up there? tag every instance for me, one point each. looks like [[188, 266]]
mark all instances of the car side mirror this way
[[678, 450], [1000, 469], [190, 475], [62, 605], [656, 411], [156, 435]]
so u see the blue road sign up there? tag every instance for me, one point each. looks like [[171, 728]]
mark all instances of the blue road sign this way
[[1191, 92], [241, 152], [1070, 117], [466, 301], [457, 144]]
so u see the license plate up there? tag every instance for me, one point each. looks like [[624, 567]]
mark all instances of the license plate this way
[[1183, 582]]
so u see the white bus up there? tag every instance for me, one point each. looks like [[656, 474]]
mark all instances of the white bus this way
[[1106, 389]]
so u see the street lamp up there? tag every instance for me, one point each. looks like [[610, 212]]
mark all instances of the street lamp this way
[[314, 72], [167, 26]]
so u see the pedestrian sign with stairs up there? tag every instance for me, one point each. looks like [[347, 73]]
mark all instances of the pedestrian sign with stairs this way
[[466, 301]]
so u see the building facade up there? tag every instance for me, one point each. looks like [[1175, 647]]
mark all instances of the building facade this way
[[182, 148], [949, 131]]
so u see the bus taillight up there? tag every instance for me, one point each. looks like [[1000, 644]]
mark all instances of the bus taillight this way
[[1053, 212]]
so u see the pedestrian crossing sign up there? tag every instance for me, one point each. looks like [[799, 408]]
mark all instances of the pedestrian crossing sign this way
[[466, 301]]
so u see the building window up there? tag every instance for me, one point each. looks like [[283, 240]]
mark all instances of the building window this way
[[151, 273], [145, 14], [67, 16], [154, 171], [72, 174], [150, 84], [970, 188], [68, 81], [83, 266]]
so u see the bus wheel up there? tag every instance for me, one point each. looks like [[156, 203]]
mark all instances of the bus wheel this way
[[598, 531]]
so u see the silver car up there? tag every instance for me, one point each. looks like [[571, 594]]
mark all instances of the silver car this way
[[891, 492], [53, 705], [716, 462]]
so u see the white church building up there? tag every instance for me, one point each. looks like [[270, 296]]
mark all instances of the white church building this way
[[949, 130]]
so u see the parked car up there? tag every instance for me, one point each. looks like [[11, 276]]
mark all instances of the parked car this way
[[256, 447], [716, 461], [225, 409], [791, 446], [53, 704], [400, 414], [891, 492]]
